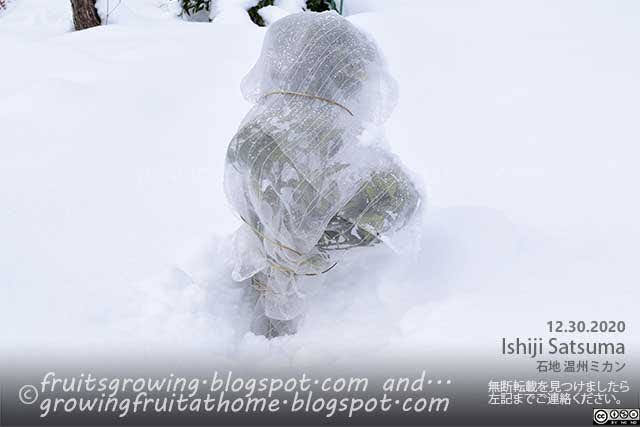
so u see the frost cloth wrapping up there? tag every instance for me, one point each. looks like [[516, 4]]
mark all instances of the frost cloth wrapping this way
[[297, 172]]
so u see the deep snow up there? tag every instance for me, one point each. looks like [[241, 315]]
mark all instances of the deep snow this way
[[521, 119]]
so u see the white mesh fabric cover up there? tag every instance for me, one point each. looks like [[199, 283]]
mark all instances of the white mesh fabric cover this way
[[297, 168]]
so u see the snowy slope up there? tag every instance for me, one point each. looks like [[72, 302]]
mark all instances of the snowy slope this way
[[521, 120]]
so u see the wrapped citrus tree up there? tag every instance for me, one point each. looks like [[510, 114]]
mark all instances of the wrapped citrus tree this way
[[306, 184]]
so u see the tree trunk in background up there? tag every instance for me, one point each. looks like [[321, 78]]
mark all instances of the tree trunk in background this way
[[85, 14]]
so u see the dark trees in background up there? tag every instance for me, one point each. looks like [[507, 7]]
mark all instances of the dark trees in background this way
[[312, 5], [85, 14], [192, 8], [255, 16]]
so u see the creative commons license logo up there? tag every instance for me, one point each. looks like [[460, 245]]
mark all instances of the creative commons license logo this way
[[616, 416]]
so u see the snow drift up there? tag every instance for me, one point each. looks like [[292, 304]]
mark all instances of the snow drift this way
[[521, 119]]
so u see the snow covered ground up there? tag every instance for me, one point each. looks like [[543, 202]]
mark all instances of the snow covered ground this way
[[520, 117]]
